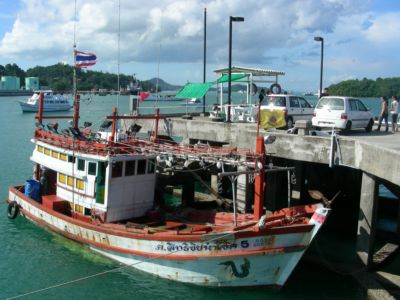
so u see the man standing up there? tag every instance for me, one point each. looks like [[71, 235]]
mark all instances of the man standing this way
[[384, 113], [394, 111]]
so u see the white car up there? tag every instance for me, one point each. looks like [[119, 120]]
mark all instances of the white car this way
[[344, 113], [295, 107]]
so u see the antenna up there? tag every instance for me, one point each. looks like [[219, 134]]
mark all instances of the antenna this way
[[158, 74], [119, 50], [74, 49]]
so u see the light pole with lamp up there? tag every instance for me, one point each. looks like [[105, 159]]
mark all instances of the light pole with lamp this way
[[231, 19], [320, 39]]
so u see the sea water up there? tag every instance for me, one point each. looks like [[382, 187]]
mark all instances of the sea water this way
[[33, 258]]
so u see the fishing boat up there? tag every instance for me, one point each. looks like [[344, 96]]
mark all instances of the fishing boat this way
[[51, 102], [163, 97], [97, 188]]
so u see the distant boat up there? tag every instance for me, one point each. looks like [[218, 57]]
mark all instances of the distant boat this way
[[163, 97], [194, 101], [51, 102]]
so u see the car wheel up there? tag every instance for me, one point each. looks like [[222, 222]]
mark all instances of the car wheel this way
[[289, 123], [369, 126], [347, 128]]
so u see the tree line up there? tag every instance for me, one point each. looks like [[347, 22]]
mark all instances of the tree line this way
[[367, 87], [59, 78]]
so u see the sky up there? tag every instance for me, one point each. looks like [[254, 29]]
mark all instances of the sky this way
[[164, 38]]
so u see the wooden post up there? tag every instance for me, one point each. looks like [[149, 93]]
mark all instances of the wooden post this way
[[156, 129], [367, 218], [40, 110], [114, 125], [76, 110], [259, 183]]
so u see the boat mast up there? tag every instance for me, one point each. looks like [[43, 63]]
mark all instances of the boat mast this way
[[158, 74], [74, 88], [119, 51]]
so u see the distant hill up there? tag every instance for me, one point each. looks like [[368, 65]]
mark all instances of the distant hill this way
[[367, 87], [164, 86], [58, 77]]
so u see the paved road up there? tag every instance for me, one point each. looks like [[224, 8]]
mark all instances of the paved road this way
[[386, 139]]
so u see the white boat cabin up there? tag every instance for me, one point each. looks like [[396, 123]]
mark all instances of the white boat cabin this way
[[49, 98], [116, 187]]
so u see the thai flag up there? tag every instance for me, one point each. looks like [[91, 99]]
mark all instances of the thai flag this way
[[84, 59]]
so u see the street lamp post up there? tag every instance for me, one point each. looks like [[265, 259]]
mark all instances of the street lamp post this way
[[231, 19], [320, 39]]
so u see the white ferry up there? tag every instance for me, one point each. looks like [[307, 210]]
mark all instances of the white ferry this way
[[51, 102]]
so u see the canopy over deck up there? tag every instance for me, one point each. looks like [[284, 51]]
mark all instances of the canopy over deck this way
[[252, 71]]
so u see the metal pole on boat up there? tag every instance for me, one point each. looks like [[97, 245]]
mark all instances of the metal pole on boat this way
[[233, 177], [204, 59], [259, 183], [233, 180], [119, 51]]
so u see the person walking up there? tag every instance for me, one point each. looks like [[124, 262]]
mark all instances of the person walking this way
[[394, 112], [384, 113], [261, 96]]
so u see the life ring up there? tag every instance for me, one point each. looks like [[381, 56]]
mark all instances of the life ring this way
[[275, 88], [253, 89], [12, 210]]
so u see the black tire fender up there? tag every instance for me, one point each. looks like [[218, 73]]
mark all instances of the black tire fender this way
[[275, 88], [12, 210]]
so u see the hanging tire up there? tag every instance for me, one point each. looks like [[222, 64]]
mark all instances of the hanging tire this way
[[275, 88], [12, 210]]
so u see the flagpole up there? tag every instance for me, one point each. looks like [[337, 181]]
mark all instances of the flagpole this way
[[74, 87]]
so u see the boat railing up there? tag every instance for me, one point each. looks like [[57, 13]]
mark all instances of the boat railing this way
[[239, 112]]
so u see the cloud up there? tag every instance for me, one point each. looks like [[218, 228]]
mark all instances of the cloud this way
[[175, 25], [384, 28]]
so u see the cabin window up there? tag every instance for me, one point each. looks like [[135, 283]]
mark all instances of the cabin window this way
[[63, 157], [47, 151], [40, 149], [71, 159], [54, 154], [151, 166], [79, 208], [92, 168], [70, 181], [69, 205], [116, 169], [130, 167], [141, 169], [80, 184], [81, 164], [62, 178], [88, 211]]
